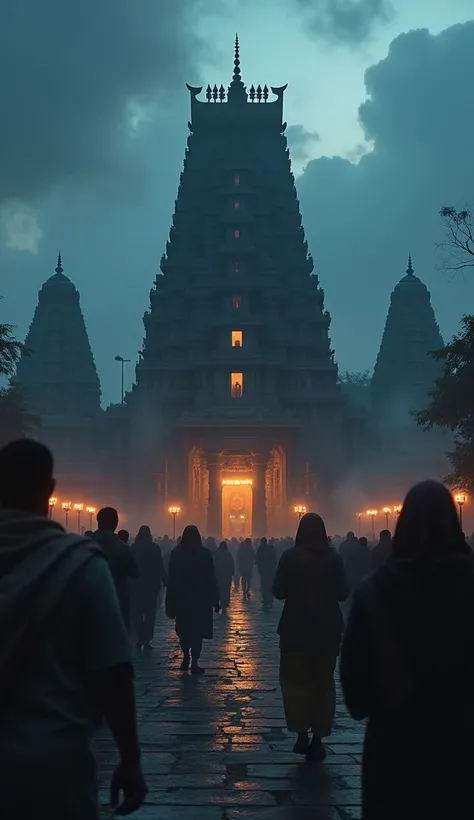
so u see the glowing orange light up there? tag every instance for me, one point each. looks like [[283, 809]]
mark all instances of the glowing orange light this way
[[90, 510], [78, 507], [237, 482], [299, 509], [174, 510], [397, 509], [66, 505], [53, 501], [387, 510], [372, 513], [460, 498]]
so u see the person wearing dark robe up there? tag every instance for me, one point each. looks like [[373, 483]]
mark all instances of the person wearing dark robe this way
[[147, 588], [266, 565], [119, 555], [310, 579], [124, 536], [359, 564], [383, 550], [224, 564], [407, 664], [192, 595], [349, 544], [64, 652], [246, 563]]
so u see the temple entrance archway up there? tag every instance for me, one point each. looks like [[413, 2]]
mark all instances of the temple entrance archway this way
[[237, 508]]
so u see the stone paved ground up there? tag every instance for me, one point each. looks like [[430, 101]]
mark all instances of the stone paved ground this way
[[216, 748]]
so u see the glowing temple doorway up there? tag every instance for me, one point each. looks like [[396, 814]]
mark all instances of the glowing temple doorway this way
[[237, 507]]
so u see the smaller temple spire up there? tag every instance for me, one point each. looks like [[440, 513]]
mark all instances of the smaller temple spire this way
[[410, 271], [59, 266], [237, 92]]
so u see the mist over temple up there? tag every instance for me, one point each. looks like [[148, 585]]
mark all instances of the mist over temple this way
[[237, 411]]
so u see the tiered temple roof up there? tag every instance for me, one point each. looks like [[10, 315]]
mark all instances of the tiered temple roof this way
[[405, 370], [59, 374]]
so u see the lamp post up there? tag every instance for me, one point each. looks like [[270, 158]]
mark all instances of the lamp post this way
[[66, 505], [359, 519], [174, 511], [300, 510], [372, 514], [52, 503], [397, 510], [123, 362], [387, 511], [90, 511], [460, 499], [78, 508]]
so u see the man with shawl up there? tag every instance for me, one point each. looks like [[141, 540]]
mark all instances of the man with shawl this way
[[407, 664], [310, 580], [192, 595]]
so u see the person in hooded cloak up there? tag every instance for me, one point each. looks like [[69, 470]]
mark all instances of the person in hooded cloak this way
[[407, 664], [191, 596], [224, 564], [310, 579]]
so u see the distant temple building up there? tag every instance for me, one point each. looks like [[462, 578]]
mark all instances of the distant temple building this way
[[237, 412], [405, 370], [60, 379]]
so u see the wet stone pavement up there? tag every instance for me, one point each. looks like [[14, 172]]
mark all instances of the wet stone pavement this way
[[216, 747]]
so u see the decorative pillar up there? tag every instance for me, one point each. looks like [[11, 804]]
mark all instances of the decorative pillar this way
[[214, 507], [259, 507]]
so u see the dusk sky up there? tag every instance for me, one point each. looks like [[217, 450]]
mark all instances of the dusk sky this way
[[94, 122]]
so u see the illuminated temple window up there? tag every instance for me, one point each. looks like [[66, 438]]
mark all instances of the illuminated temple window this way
[[236, 205], [236, 178], [236, 233], [236, 385], [236, 302], [237, 338]]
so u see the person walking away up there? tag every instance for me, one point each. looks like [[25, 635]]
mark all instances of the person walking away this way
[[224, 564], [64, 651], [348, 545], [124, 536], [246, 563], [407, 664], [191, 596], [383, 550], [119, 555], [147, 587], [266, 565], [310, 579], [358, 565]]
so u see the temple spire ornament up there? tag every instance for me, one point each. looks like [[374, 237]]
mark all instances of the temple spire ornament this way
[[410, 271], [237, 92], [59, 266]]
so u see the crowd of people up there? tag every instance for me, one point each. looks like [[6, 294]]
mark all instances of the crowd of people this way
[[400, 615]]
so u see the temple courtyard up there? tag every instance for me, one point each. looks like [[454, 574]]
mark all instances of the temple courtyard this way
[[216, 748]]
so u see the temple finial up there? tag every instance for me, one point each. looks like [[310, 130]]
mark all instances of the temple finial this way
[[59, 266], [410, 270], [236, 75], [237, 92]]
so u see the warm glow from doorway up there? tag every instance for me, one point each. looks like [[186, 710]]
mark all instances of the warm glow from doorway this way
[[236, 385], [237, 482], [237, 338]]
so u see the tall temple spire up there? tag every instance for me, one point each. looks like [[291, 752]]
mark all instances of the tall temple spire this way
[[237, 92], [59, 266], [405, 371]]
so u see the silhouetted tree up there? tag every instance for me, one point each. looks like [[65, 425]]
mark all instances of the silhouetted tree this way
[[15, 419], [451, 403], [459, 242]]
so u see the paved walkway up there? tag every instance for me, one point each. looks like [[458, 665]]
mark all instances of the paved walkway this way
[[216, 748]]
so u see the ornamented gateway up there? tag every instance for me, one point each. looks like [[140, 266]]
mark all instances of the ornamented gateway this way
[[236, 412]]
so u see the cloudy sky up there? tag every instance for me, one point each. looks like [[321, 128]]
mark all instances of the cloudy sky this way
[[94, 123]]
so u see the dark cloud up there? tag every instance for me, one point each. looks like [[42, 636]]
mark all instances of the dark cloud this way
[[362, 218], [301, 141], [68, 73], [346, 21]]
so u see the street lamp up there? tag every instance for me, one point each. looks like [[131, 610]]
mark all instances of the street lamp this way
[[174, 511], [90, 511], [52, 503], [78, 508], [66, 505], [372, 514], [460, 499], [397, 510], [359, 519], [300, 510], [123, 362], [387, 511]]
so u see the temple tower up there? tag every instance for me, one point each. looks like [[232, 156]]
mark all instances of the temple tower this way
[[236, 386], [404, 371], [59, 376]]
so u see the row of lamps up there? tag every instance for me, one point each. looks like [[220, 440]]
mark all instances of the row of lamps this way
[[70, 507], [460, 499]]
